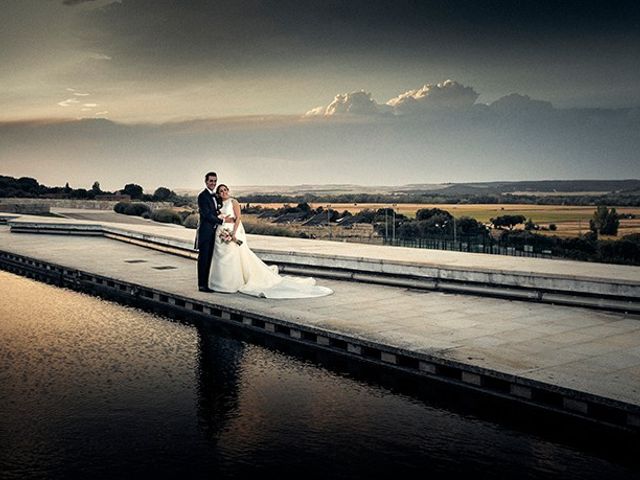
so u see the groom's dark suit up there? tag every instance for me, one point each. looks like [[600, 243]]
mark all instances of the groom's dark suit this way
[[209, 207]]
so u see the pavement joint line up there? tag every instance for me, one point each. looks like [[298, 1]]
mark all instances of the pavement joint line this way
[[547, 396]]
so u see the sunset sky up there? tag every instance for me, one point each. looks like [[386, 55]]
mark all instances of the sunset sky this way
[[200, 84]]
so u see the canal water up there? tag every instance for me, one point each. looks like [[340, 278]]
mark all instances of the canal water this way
[[93, 389]]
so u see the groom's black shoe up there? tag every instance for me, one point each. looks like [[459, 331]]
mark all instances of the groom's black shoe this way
[[205, 289]]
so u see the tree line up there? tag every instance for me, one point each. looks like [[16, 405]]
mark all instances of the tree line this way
[[621, 199], [27, 187]]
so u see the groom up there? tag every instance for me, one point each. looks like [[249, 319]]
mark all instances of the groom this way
[[209, 207]]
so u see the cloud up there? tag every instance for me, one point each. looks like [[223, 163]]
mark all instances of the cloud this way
[[429, 98], [99, 56], [76, 2], [68, 102], [516, 103], [77, 102], [446, 95], [477, 144], [354, 103], [77, 93]]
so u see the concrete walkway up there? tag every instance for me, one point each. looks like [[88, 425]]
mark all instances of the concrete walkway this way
[[592, 357], [554, 281]]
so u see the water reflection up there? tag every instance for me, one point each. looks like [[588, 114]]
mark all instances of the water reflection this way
[[93, 389], [218, 368]]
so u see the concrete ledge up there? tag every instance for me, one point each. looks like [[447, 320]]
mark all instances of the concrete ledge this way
[[618, 292]]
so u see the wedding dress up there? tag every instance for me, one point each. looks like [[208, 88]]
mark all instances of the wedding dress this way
[[235, 268]]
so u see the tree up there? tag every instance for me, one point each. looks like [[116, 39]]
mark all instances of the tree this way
[[133, 190], [470, 226], [605, 221], [427, 213], [508, 221], [530, 225], [95, 188], [162, 194]]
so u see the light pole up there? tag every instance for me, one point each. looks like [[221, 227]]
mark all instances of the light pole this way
[[393, 225], [386, 228], [329, 219], [455, 236]]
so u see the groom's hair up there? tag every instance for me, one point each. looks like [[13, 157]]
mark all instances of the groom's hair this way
[[210, 174]]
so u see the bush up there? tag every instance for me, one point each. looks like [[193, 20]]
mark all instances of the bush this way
[[165, 215], [136, 209], [191, 221], [553, 227], [273, 230], [120, 207], [184, 214]]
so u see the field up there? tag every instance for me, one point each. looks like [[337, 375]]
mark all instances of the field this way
[[570, 220]]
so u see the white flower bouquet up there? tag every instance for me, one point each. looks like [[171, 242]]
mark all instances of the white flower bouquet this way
[[226, 237]]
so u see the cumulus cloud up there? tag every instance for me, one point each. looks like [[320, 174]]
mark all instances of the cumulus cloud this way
[[354, 103], [446, 95]]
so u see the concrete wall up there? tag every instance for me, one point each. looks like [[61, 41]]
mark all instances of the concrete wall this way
[[6, 204], [26, 208]]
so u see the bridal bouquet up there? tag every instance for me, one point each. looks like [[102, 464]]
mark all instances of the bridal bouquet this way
[[226, 237]]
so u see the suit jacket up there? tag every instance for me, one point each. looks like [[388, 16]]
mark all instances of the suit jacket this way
[[209, 208]]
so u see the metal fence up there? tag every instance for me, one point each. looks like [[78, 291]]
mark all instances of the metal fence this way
[[476, 244]]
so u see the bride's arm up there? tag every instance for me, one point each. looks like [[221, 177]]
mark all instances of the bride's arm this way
[[238, 214]]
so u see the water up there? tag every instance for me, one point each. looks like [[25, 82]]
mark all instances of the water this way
[[92, 389]]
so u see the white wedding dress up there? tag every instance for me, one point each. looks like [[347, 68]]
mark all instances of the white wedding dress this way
[[235, 268]]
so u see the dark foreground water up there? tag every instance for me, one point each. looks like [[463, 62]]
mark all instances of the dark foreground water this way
[[91, 389]]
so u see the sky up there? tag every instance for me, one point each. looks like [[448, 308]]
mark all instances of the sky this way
[[284, 92]]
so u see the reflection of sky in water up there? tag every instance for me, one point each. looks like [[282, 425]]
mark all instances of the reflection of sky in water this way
[[91, 388]]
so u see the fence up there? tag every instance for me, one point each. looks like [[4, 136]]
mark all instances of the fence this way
[[475, 244]]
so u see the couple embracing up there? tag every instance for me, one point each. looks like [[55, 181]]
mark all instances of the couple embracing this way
[[225, 262]]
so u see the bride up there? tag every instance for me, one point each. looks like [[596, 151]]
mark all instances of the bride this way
[[235, 268]]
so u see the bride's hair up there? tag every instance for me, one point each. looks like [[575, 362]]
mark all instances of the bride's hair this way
[[220, 186]]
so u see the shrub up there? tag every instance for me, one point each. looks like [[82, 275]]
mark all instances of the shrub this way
[[165, 215], [191, 221], [120, 207], [184, 214], [553, 227], [276, 231], [136, 209]]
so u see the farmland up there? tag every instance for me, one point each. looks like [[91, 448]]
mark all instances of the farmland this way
[[570, 220]]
